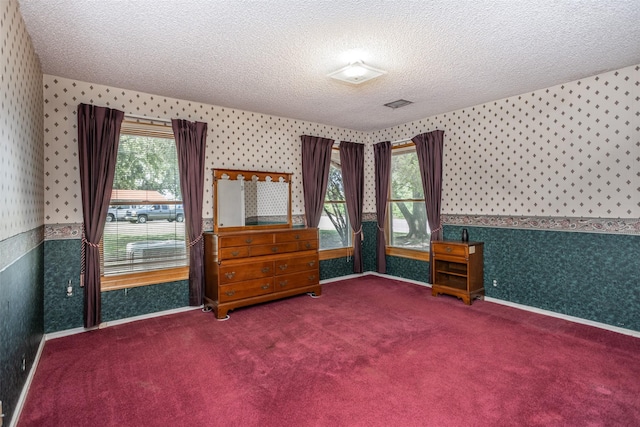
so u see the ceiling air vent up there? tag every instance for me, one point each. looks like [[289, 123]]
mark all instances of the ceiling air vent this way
[[397, 104]]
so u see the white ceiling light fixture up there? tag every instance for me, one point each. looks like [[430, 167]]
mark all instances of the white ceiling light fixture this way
[[356, 73]]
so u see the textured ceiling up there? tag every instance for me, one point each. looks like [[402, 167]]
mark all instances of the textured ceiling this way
[[273, 56]]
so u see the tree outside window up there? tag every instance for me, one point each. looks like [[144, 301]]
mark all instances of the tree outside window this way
[[408, 227], [335, 230]]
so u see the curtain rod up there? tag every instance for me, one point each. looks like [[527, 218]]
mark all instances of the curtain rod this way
[[336, 144], [153, 119], [401, 141]]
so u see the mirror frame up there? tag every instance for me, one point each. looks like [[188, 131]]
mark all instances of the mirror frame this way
[[248, 175]]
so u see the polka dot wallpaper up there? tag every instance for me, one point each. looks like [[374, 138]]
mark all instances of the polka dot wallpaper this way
[[265, 198], [571, 150], [271, 198], [568, 151], [21, 130], [236, 140]]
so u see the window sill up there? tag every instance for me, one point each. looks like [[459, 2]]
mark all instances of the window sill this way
[[407, 253], [334, 253], [132, 280]]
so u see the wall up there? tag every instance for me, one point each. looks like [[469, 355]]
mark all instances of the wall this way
[[562, 159], [61, 313], [21, 198], [338, 267], [235, 140], [566, 151], [589, 275], [549, 180]]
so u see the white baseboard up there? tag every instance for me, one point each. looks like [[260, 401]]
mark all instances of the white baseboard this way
[[66, 332], [565, 317], [373, 273], [27, 385], [574, 319], [337, 279], [149, 316], [60, 334], [415, 282]]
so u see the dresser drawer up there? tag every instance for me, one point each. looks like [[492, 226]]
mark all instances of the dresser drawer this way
[[247, 289], [275, 248], [448, 249], [296, 280], [297, 235], [243, 240], [241, 272], [308, 245], [234, 252], [295, 265]]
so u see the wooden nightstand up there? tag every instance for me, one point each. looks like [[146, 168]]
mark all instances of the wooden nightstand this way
[[458, 269]]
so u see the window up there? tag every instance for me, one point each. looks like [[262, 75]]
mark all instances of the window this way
[[334, 227], [407, 214], [145, 229]]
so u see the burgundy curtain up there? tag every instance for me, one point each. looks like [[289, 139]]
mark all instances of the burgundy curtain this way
[[430, 148], [98, 139], [316, 159], [191, 142], [382, 164], [352, 165]]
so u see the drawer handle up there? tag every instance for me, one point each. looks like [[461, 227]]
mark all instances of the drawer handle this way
[[266, 269], [284, 283], [274, 249], [307, 245], [312, 277], [230, 293], [448, 249], [311, 263], [297, 237], [230, 275], [248, 240], [283, 267], [235, 253], [265, 286]]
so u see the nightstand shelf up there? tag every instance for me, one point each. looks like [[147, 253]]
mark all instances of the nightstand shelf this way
[[458, 269]]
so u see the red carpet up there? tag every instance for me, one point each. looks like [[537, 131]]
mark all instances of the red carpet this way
[[369, 352]]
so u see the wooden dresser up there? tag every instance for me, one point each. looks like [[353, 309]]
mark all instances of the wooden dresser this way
[[458, 269], [249, 267]]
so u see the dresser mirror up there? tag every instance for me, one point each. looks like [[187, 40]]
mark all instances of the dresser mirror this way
[[246, 200]]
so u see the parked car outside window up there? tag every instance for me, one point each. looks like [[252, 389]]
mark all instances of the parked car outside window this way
[[142, 214], [117, 213]]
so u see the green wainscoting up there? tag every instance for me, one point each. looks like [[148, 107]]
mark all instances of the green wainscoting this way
[[21, 324], [62, 262], [141, 300], [408, 268], [370, 232], [336, 267], [588, 275]]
